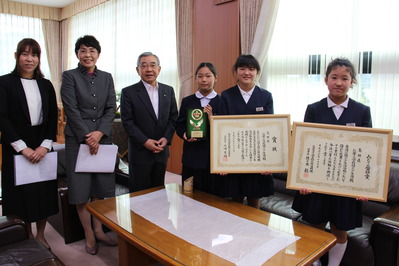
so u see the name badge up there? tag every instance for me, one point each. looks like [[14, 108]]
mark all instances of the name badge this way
[[259, 109], [351, 124]]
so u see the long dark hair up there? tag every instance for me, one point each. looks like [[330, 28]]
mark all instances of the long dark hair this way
[[34, 47]]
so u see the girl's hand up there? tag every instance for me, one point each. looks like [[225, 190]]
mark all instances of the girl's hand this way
[[362, 199], [208, 110], [266, 173], [305, 191], [190, 139]]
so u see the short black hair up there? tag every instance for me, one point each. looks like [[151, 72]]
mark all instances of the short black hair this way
[[246, 60], [342, 62], [89, 41]]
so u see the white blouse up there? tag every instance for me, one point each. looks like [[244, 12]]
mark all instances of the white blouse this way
[[34, 100]]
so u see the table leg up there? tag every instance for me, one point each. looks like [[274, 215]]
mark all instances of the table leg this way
[[130, 255]]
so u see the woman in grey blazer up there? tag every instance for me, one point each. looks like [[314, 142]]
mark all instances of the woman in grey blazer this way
[[89, 101]]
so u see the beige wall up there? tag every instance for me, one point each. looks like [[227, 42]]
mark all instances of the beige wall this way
[[216, 39]]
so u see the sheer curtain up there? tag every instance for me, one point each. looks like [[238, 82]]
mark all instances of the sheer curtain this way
[[14, 28], [125, 29], [309, 33], [249, 15], [51, 32], [184, 29]]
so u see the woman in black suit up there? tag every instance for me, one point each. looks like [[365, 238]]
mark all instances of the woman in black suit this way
[[28, 122], [246, 98], [196, 158]]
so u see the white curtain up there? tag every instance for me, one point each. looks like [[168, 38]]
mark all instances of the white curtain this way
[[346, 28], [13, 29], [125, 29], [264, 30]]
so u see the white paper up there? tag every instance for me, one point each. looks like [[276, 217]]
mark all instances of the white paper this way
[[58, 147], [241, 241], [102, 162], [27, 172]]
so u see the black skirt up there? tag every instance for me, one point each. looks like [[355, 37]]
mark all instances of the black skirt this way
[[32, 202], [247, 185], [345, 213]]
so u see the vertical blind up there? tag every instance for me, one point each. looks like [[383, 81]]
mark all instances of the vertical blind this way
[[308, 34]]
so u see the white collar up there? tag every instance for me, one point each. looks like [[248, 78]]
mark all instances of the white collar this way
[[330, 103], [246, 93], [148, 86], [210, 96]]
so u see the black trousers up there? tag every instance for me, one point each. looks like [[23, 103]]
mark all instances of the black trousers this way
[[144, 176]]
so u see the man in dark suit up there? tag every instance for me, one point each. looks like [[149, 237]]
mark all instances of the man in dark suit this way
[[149, 113]]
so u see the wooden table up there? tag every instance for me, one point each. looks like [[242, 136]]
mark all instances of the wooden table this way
[[143, 243]]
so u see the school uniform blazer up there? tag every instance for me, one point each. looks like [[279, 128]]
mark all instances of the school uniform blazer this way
[[89, 103], [14, 112], [195, 154], [356, 114], [232, 103], [140, 122]]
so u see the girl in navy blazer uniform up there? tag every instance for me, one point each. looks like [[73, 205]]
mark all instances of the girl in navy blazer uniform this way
[[317, 209], [246, 98], [196, 152], [28, 123]]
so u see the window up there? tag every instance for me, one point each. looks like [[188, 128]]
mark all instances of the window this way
[[125, 29], [13, 29], [309, 34]]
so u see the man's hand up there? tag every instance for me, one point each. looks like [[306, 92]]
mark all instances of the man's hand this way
[[153, 145]]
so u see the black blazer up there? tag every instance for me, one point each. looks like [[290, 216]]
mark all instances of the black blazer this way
[[356, 113], [195, 154], [232, 103], [141, 123], [14, 113]]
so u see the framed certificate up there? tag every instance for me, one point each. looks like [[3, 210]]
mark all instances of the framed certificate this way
[[340, 160], [249, 143]]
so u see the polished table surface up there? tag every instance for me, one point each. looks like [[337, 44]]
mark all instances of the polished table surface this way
[[143, 243]]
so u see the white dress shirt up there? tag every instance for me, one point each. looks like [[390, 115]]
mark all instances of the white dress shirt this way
[[338, 109], [246, 95], [153, 94]]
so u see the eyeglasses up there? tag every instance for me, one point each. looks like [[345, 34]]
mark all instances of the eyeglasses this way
[[90, 51], [151, 65]]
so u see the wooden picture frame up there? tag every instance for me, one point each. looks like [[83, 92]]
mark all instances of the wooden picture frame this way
[[340, 160], [249, 143]]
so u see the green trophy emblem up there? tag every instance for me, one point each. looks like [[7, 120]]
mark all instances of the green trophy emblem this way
[[196, 123]]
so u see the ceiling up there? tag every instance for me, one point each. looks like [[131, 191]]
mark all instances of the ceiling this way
[[50, 3]]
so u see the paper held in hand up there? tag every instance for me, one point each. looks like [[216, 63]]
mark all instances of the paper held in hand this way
[[102, 162], [27, 172]]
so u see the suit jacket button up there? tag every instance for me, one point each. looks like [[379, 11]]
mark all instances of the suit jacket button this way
[[94, 120], [94, 108]]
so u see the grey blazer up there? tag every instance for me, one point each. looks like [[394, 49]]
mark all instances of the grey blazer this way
[[141, 123], [89, 102]]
